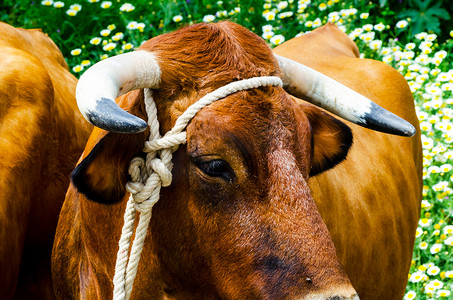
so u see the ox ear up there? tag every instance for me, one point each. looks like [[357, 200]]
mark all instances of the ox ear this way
[[102, 173], [331, 139]]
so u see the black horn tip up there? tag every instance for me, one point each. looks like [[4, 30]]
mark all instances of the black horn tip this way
[[109, 116], [380, 119]]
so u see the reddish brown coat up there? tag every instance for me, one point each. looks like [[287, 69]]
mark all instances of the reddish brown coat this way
[[42, 134], [258, 234]]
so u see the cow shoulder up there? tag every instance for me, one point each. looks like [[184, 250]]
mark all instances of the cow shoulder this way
[[33, 41], [25, 96], [321, 46]]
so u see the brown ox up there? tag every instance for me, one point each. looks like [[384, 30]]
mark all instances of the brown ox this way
[[245, 216], [42, 134]]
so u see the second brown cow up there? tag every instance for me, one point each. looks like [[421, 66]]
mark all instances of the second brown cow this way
[[42, 134]]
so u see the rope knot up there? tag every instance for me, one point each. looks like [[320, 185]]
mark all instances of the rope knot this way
[[169, 141], [161, 169], [149, 177], [137, 169], [144, 202], [134, 187]]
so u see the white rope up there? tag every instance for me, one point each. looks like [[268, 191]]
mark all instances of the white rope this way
[[149, 176]]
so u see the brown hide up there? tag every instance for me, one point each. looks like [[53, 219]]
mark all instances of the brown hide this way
[[254, 231], [42, 134], [370, 202]]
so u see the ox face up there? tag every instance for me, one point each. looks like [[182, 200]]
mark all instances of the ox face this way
[[238, 220], [255, 226]]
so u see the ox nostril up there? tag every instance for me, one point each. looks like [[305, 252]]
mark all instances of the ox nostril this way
[[343, 295], [352, 297]]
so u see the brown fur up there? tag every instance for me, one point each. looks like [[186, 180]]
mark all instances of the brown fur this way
[[258, 235], [42, 134]]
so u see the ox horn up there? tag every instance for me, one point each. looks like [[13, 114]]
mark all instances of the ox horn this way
[[323, 91], [99, 86]]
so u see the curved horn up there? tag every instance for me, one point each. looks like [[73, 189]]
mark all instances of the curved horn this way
[[323, 91], [104, 81]]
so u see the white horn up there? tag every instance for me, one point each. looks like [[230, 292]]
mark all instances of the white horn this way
[[323, 91], [99, 86]]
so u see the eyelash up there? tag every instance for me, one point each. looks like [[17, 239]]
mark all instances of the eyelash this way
[[216, 168]]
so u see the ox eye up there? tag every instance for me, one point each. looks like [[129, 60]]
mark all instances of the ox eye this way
[[216, 168]]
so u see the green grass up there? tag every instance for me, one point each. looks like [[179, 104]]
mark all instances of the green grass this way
[[425, 60]]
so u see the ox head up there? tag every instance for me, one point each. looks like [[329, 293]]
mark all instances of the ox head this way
[[238, 220]]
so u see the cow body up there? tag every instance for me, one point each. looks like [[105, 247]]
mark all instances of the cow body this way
[[42, 134], [252, 228]]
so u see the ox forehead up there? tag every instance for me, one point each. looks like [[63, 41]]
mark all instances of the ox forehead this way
[[243, 131], [249, 128]]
